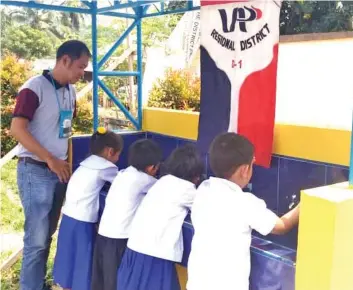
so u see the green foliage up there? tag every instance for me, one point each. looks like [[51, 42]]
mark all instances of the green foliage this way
[[11, 210], [156, 30], [58, 24], [33, 33], [12, 75], [316, 16], [83, 123], [179, 90], [27, 42], [106, 36], [176, 5]]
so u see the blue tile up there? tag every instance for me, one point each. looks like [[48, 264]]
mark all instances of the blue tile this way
[[273, 249], [75, 166], [167, 143], [149, 135], [269, 273], [128, 140], [80, 148], [295, 175], [265, 183], [188, 233], [182, 142], [336, 174], [289, 240]]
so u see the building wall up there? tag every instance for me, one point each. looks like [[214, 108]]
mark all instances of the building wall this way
[[303, 157], [314, 86]]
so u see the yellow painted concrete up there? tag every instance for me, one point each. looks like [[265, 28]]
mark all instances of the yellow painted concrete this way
[[317, 144], [325, 240], [183, 276], [181, 124]]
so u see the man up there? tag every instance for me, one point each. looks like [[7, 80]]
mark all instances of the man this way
[[44, 109]]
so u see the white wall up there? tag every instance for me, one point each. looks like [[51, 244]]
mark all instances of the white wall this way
[[315, 83]]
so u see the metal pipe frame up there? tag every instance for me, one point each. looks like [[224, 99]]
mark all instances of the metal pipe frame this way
[[118, 103], [117, 43], [139, 12], [95, 66], [130, 4], [34, 5], [140, 9], [118, 73]]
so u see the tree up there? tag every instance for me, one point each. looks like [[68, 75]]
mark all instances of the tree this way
[[179, 90], [316, 16], [27, 42], [83, 123], [156, 30], [177, 4], [13, 74]]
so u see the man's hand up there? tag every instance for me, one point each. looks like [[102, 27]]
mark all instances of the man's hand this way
[[20, 131], [60, 167]]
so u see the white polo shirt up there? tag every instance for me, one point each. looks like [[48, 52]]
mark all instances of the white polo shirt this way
[[82, 195], [223, 217], [157, 227], [124, 197]]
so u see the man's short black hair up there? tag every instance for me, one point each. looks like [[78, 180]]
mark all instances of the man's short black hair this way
[[144, 153], [228, 152], [73, 48], [185, 162]]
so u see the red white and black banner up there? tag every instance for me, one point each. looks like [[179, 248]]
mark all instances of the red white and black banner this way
[[239, 52]]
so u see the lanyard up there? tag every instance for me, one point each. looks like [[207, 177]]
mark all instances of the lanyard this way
[[57, 96]]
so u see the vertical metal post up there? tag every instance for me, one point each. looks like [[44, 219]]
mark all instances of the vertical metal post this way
[[139, 67], [94, 65], [350, 179]]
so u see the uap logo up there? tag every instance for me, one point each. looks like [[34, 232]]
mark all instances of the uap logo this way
[[240, 15]]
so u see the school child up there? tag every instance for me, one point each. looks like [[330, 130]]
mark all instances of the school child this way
[[124, 197], [223, 217], [73, 260], [156, 240]]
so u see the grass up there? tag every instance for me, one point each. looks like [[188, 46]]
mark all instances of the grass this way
[[4, 255], [12, 220], [10, 278]]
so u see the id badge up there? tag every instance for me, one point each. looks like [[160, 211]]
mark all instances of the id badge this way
[[65, 128]]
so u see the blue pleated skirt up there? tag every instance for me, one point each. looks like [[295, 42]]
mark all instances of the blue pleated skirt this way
[[74, 254], [142, 272]]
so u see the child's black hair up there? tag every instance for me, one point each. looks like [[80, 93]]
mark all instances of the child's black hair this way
[[107, 138], [228, 152], [185, 162], [144, 153]]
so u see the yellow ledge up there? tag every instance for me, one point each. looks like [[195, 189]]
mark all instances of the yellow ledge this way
[[317, 144]]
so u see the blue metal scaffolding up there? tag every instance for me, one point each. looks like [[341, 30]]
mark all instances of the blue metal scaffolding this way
[[141, 9]]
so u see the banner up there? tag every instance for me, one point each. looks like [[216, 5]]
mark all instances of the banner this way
[[178, 53], [185, 38], [239, 52]]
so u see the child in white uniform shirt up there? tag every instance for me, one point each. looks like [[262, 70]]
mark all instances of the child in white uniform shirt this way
[[223, 217], [156, 240], [124, 197], [73, 260]]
